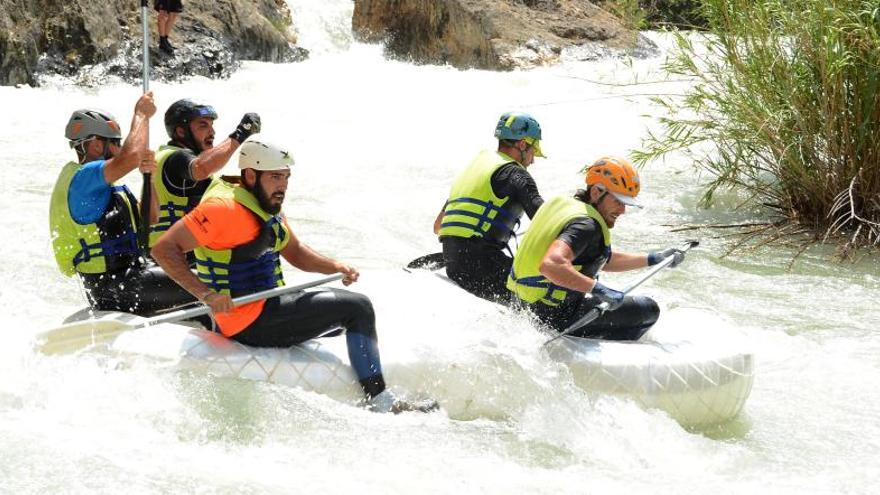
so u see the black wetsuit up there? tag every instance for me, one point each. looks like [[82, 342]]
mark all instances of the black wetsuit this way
[[136, 289], [295, 318], [178, 180], [177, 176], [129, 284], [479, 265], [628, 322]]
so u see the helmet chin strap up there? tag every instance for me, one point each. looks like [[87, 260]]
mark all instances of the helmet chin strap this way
[[522, 154]]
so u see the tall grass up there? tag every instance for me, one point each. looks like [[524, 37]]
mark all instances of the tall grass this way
[[787, 93]]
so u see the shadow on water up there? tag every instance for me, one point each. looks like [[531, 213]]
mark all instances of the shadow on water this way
[[736, 429], [230, 410]]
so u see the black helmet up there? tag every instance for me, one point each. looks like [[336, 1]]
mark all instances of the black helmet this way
[[86, 123], [182, 112]]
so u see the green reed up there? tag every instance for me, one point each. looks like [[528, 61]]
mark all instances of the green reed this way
[[785, 106]]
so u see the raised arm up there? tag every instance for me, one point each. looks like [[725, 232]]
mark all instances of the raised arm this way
[[212, 160], [135, 150]]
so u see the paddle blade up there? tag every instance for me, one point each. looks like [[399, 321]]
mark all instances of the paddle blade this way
[[74, 337], [433, 261]]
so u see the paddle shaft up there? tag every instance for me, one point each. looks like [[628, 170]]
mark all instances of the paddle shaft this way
[[146, 189], [602, 308], [184, 314]]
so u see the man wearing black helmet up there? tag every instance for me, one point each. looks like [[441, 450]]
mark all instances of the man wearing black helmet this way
[[185, 165], [93, 221], [485, 205]]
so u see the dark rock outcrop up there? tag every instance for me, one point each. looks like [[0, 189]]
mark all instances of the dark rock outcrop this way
[[682, 14], [89, 40], [494, 34]]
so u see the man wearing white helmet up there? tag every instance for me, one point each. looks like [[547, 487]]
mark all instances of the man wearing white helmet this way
[[93, 221], [239, 234]]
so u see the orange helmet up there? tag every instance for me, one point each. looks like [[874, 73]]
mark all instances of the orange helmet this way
[[616, 176]]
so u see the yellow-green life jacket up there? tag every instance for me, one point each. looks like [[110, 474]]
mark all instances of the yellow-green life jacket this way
[[107, 245], [171, 206], [250, 267], [525, 279], [473, 209]]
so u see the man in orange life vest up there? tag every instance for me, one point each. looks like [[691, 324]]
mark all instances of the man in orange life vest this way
[[238, 234]]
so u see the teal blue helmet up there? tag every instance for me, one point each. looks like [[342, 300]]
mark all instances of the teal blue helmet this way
[[514, 126]]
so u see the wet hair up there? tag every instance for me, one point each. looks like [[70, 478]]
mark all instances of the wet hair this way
[[583, 195]]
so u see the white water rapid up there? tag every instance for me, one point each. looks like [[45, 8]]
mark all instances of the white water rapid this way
[[376, 144]]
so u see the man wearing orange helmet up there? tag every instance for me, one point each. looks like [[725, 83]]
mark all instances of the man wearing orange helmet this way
[[569, 242], [485, 205]]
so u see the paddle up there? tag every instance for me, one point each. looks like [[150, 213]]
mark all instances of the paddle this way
[[431, 261], [146, 189], [602, 308], [81, 334]]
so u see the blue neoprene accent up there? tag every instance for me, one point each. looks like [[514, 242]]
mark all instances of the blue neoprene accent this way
[[89, 193], [363, 352]]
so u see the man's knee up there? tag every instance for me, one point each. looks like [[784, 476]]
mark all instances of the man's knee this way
[[356, 308], [648, 309], [361, 305]]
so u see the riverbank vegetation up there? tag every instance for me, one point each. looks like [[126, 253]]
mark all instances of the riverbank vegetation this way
[[656, 14], [785, 107]]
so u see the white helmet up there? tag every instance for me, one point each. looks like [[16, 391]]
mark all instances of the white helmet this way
[[260, 155]]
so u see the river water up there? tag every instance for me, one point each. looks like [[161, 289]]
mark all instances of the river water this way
[[377, 144]]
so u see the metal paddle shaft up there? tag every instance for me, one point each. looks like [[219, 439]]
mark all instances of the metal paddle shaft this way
[[78, 335], [146, 30], [602, 308], [146, 189], [183, 314]]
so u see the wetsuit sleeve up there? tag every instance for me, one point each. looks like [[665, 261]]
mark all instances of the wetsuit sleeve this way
[[89, 193], [176, 174], [579, 234], [515, 181]]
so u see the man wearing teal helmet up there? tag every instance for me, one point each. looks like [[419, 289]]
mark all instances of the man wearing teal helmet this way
[[484, 207]]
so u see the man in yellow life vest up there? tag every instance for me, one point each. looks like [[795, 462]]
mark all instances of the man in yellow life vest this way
[[569, 242], [93, 221], [485, 205], [239, 235], [185, 165]]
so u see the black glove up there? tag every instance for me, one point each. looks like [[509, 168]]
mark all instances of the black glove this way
[[655, 257], [250, 124], [614, 298]]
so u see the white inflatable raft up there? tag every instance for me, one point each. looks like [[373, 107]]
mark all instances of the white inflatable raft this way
[[690, 365], [315, 365]]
